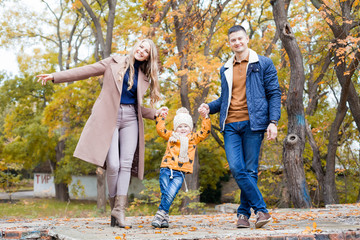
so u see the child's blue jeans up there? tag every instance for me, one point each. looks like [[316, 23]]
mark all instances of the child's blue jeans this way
[[170, 184]]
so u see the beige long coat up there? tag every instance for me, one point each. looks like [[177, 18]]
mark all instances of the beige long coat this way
[[96, 136]]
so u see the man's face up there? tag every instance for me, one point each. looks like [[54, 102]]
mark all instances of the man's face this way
[[238, 41]]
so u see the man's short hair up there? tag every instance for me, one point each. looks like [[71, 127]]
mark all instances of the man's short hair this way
[[236, 28]]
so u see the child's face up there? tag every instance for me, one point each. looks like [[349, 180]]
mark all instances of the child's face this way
[[183, 129]]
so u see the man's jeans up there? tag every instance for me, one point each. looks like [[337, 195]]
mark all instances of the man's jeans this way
[[170, 184], [242, 147]]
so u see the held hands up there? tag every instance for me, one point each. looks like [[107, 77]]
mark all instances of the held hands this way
[[44, 78], [204, 110], [163, 111], [271, 132]]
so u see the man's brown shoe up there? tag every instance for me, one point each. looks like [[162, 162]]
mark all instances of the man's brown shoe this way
[[242, 222], [262, 219]]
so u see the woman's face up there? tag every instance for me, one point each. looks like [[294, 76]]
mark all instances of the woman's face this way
[[142, 52]]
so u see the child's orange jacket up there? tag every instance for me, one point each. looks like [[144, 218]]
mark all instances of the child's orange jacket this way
[[171, 156]]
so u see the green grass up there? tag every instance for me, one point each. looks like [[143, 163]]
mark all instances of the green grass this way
[[50, 208]]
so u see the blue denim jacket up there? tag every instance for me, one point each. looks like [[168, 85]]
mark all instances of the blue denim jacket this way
[[263, 93]]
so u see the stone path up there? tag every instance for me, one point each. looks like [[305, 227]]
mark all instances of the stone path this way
[[332, 222]]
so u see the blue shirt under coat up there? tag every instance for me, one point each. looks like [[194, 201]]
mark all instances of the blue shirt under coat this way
[[129, 96]]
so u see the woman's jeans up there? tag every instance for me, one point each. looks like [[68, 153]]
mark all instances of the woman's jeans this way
[[170, 185], [242, 147], [122, 149]]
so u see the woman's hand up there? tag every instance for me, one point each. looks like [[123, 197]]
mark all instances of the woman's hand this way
[[163, 111], [44, 78]]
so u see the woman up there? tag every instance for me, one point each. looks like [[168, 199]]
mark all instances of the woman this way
[[114, 133]]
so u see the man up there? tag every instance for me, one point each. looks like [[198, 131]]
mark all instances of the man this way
[[249, 104]]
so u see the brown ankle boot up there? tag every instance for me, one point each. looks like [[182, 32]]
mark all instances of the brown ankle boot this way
[[119, 211], [112, 204]]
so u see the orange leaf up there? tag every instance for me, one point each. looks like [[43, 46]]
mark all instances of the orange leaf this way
[[314, 225]]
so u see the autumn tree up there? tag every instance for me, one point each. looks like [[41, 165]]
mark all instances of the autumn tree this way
[[192, 40], [62, 38], [343, 20], [295, 141]]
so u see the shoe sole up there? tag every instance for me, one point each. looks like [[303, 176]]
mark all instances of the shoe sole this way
[[262, 223], [156, 226], [242, 226]]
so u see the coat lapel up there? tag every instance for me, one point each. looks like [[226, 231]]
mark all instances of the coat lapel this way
[[143, 84], [115, 68]]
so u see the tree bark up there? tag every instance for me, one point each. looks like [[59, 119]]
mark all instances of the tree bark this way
[[294, 143], [61, 189], [101, 189], [316, 165]]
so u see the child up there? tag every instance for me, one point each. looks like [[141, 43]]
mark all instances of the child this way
[[178, 158]]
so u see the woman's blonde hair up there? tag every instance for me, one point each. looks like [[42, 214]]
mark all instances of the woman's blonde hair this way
[[149, 68]]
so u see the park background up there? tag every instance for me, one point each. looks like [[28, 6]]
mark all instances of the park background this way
[[314, 45]]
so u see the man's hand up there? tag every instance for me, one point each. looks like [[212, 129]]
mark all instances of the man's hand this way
[[204, 110], [271, 132]]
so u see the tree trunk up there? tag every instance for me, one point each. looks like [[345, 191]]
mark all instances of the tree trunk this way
[[61, 189], [330, 194], [101, 189], [294, 143], [354, 103], [62, 192], [192, 182], [316, 165]]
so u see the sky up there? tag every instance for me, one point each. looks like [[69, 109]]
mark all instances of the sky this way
[[8, 60]]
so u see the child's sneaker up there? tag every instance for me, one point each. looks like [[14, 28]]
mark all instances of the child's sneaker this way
[[158, 218], [165, 221]]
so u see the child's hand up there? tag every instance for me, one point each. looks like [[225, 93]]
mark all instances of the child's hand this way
[[204, 110], [163, 111]]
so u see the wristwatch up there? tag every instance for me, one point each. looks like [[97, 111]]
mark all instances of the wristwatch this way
[[274, 122]]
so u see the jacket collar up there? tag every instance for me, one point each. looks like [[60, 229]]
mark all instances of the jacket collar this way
[[253, 57]]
